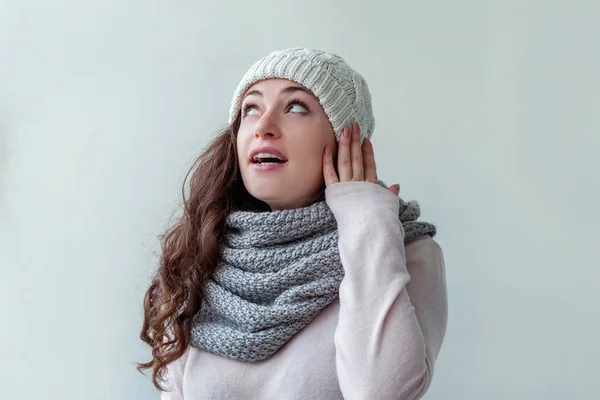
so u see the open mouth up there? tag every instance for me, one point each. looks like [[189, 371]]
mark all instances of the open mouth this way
[[266, 159]]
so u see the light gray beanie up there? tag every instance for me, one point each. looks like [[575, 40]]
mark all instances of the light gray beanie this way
[[342, 92]]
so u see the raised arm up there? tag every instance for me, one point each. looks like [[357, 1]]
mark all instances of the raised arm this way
[[389, 331]]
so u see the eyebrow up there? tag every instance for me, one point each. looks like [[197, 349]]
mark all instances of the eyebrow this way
[[289, 89]]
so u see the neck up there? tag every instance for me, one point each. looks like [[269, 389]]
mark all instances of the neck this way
[[319, 196]]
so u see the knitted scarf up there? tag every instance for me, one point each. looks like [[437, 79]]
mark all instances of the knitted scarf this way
[[280, 269]]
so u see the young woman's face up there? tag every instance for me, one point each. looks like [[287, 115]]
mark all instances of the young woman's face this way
[[286, 117]]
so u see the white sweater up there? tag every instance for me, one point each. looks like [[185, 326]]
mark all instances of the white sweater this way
[[379, 340]]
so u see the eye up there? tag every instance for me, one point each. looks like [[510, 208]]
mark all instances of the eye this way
[[297, 106], [247, 109]]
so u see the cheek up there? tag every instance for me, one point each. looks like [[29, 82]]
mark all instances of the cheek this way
[[330, 141], [327, 134], [241, 152], [241, 140]]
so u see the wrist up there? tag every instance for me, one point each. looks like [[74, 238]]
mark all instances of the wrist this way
[[361, 197]]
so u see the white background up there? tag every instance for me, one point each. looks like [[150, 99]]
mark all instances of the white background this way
[[487, 114]]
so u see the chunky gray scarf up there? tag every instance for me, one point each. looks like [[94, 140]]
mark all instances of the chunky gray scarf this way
[[280, 269]]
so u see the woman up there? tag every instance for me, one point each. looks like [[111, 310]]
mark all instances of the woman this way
[[294, 272]]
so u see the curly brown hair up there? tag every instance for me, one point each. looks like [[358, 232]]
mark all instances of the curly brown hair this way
[[191, 251]]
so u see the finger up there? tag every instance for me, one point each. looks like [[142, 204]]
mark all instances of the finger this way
[[344, 162], [395, 188], [369, 161], [358, 173], [328, 168]]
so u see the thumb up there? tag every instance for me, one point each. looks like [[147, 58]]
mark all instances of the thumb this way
[[395, 188]]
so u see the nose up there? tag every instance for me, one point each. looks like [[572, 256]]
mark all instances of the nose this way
[[267, 126]]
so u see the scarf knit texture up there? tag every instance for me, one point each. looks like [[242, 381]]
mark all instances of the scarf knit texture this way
[[279, 270]]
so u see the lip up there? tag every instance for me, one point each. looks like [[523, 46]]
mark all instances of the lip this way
[[266, 149], [266, 167]]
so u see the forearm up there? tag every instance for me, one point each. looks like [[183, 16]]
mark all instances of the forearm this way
[[380, 348]]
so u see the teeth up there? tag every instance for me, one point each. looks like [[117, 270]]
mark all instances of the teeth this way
[[258, 156]]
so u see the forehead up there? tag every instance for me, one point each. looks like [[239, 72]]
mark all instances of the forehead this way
[[275, 87], [272, 83]]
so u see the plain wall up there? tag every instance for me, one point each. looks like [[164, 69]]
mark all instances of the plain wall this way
[[487, 113]]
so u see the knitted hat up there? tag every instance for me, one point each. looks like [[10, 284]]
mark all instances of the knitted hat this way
[[342, 92]]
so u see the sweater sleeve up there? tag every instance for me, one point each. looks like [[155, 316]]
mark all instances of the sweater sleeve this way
[[389, 332]]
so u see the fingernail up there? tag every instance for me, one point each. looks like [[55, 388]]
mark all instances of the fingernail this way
[[327, 150]]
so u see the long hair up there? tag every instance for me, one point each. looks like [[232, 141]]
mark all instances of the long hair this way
[[191, 250]]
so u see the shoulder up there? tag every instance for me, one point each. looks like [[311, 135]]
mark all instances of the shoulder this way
[[425, 251], [425, 244]]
